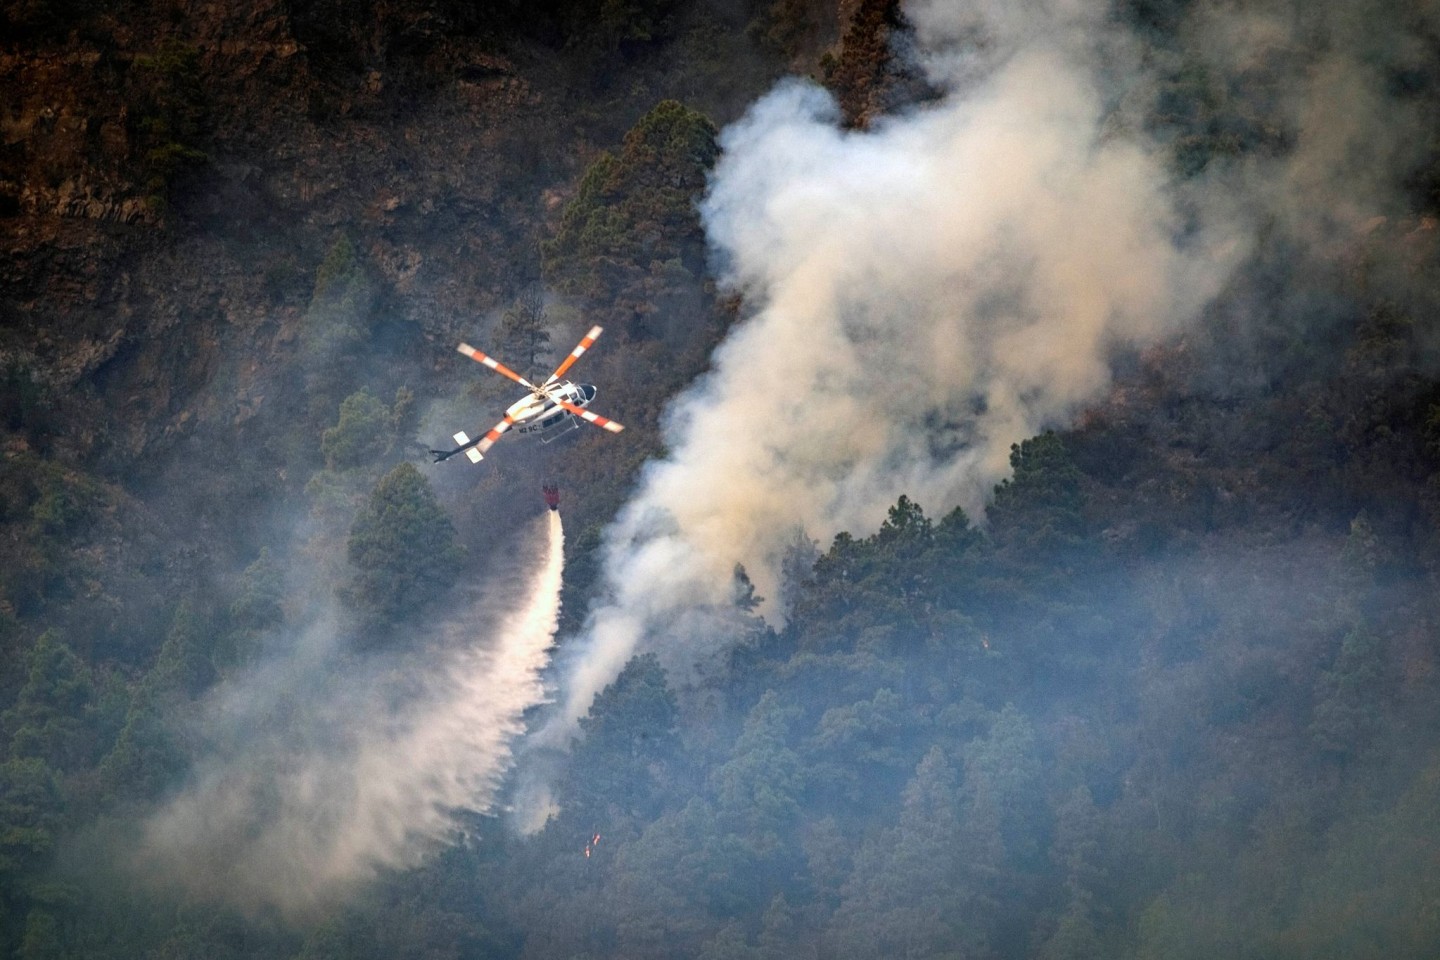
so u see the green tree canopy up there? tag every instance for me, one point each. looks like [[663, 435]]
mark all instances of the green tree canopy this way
[[49, 721], [635, 214], [1037, 511], [757, 790], [30, 804], [257, 600], [630, 730], [181, 667], [403, 548], [364, 432]]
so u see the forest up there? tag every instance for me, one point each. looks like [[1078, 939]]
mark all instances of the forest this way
[[1024, 541]]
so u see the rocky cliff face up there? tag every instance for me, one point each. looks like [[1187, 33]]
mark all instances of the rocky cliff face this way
[[169, 185], [172, 175]]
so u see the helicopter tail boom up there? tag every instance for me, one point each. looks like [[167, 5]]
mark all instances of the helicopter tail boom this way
[[466, 447]]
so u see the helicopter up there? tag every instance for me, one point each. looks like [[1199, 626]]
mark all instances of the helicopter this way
[[551, 409]]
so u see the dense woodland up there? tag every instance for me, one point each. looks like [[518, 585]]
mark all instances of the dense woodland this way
[[1177, 693]]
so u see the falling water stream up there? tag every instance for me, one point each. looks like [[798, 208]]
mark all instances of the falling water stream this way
[[386, 769]]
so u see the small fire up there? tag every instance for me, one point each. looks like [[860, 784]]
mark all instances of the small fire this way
[[594, 842]]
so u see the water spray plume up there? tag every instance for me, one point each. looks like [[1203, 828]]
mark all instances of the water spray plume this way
[[375, 785]]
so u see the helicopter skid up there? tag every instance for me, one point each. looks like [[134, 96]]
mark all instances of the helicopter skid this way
[[572, 422]]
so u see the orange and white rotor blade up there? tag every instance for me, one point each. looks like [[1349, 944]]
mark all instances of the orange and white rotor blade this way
[[495, 365], [595, 418], [585, 344], [488, 441]]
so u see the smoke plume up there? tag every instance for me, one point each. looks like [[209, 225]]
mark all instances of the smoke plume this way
[[956, 279], [362, 778]]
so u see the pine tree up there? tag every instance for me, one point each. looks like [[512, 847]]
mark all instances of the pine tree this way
[[50, 718], [1037, 511], [181, 669], [147, 756], [30, 807], [523, 334], [1076, 851], [1348, 697], [362, 434], [403, 548], [627, 737], [757, 789], [632, 236], [1005, 764], [904, 897], [257, 601]]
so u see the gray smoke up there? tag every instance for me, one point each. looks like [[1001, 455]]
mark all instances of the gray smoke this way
[[956, 279], [368, 773]]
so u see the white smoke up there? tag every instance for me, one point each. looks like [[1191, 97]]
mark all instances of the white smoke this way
[[1328, 71], [373, 777], [924, 294]]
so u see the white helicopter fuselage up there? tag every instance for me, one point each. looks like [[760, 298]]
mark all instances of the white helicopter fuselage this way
[[541, 414]]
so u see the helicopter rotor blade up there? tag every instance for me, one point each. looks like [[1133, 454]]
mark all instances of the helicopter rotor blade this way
[[495, 365], [586, 343], [595, 418], [487, 441]]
